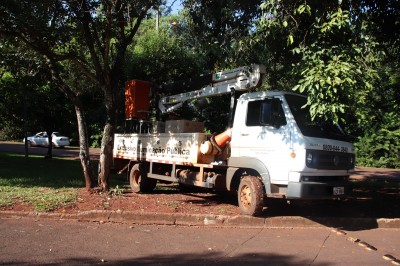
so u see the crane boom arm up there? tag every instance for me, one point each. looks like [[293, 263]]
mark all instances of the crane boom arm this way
[[224, 82]]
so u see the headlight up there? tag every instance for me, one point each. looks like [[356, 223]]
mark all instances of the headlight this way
[[309, 158]]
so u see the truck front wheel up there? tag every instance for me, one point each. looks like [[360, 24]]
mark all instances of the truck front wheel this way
[[251, 196], [139, 180]]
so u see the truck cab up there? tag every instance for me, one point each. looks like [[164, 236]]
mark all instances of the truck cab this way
[[294, 156]]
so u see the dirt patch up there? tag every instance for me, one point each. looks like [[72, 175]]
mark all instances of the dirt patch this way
[[376, 174], [165, 199]]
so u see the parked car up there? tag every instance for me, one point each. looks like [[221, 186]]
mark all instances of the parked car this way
[[41, 139]]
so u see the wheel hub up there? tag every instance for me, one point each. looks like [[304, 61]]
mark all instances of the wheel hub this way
[[246, 196]]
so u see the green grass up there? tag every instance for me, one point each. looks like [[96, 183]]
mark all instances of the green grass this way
[[45, 184]]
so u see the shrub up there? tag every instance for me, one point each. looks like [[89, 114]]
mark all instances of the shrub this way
[[380, 146]]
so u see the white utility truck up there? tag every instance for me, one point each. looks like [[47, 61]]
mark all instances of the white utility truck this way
[[271, 147]]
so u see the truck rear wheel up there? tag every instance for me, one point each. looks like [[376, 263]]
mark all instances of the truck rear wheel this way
[[251, 196], [139, 180]]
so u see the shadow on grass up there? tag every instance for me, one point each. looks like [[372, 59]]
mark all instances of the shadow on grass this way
[[43, 184], [18, 171], [35, 171]]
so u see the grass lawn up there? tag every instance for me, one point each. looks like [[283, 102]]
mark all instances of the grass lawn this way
[[46, 184]]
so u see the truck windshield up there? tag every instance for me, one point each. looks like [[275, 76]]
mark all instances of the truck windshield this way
[[318, 127]]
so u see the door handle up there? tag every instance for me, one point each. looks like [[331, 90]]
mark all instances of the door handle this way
[[245, 134]]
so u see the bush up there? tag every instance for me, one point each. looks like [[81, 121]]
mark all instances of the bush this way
[[380, 146]]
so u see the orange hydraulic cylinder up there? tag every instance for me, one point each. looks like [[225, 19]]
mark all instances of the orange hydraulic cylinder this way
[[216, 143]]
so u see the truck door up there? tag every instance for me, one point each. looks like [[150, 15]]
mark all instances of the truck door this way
[[266, 136]]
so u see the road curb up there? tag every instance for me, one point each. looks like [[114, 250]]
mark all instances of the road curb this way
[[130, 217]]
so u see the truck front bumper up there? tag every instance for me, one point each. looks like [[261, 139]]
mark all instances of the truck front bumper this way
[[319, 190]]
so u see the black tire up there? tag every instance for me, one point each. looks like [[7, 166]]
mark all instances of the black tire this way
[[139, 180], [251, 196]]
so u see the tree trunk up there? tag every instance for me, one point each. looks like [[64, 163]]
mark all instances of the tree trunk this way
[[107, 142], [84, 154], [105, 162], [82, 127], [49, 154]]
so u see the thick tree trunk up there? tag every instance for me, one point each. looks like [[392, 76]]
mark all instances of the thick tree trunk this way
[[105, 163], [84, 154], [107, 142]]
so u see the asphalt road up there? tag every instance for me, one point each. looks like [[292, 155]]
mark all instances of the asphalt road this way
[[68, 152], [50, 242]]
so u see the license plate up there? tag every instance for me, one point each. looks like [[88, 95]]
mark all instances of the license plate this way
[[338, 190]]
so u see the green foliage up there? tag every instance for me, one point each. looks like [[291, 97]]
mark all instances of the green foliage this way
[[29, 101], [217, 27], [161, 57], [345, 56], [96, 136], [335, 73], [117, 191], [380, 145]]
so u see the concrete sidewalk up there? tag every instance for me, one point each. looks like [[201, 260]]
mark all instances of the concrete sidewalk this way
[[68, 242]]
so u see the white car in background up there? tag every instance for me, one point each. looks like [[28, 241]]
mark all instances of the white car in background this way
[[41, 139]]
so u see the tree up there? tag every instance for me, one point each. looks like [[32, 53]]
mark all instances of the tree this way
[[30, 102], [379, 122], [343, 57], [337, 69], [91, 35], [216, 26], [165, 50]]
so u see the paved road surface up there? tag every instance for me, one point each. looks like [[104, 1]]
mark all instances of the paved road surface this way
[[50, 242], [69, 152]]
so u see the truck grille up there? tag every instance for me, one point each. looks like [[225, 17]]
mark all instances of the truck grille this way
[[329, 160]]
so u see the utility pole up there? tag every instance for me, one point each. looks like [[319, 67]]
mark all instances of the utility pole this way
[[157, 19]]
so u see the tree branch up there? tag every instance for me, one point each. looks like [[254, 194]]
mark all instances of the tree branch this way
[[86, 21], [43, 49], [126, 40], [108, 5]]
